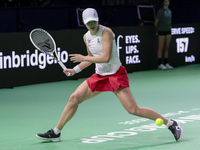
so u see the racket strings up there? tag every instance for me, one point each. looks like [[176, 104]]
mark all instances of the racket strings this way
[[42, 41]]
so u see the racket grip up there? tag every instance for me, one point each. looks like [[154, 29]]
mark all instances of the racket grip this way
[[64, 67]]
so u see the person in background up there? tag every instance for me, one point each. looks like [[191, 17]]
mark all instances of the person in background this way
[[163, 26], [110, 76]]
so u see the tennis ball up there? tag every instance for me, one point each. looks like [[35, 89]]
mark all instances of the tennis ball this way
[[159, 121]]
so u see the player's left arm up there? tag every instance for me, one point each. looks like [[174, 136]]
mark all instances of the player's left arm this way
[[107, 41], [85, 64]]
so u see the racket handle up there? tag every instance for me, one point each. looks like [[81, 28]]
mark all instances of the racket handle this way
[[64, 67]]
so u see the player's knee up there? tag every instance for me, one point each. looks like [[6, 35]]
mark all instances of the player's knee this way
[[74, 99]]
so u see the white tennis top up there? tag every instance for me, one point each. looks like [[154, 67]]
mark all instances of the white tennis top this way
[[94, 43]]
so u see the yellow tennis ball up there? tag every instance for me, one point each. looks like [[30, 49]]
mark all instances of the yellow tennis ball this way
[[159, 121]]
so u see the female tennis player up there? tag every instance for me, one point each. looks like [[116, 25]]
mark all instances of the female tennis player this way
[[110, 76]]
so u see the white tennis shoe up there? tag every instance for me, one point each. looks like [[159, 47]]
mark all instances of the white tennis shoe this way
[[162, 67], [168, 66]]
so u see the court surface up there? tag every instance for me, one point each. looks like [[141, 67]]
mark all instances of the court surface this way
[[102, 123]]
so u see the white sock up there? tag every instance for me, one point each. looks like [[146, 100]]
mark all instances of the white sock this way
[[170, 122], [56, 131]]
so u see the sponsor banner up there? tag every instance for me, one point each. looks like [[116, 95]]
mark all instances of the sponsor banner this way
[[137, 47], [185, 45], [22, 64]]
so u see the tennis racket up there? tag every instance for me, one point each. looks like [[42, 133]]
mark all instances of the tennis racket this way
[[45, 43]]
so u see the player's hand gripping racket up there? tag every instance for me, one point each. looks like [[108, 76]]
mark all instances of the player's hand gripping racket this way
[[45, 43]]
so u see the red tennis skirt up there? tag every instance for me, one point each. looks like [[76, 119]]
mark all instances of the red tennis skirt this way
[[109, 82]]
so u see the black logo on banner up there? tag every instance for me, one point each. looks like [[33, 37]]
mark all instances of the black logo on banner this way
[[46, 46]]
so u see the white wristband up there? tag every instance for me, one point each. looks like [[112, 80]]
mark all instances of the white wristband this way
[[77, 69]]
